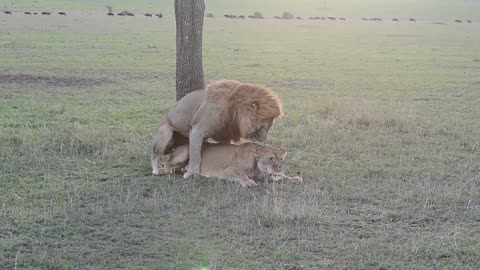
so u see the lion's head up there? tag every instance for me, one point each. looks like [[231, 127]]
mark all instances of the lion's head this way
[[249, 110], [270, 162]]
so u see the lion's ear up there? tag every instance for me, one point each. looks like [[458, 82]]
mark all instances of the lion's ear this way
[[254, 105]]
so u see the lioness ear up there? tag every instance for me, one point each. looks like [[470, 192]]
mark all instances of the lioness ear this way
[[254, 105]]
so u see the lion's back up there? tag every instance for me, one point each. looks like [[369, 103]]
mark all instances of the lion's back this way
[[181, 115]]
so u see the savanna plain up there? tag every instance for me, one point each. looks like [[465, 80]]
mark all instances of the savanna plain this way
[[381, 121]]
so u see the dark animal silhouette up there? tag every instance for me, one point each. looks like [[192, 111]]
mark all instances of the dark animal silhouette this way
[[46, 13], [27, 13], [148, 15], [35, 13], [364, 19], [62, 13], [241, 17], [251, 17], [469, 21], [8, 12], [395, 20], [332, 18], [159, 15], [412, 20], [277, 17], [110, 14], [299, 18], [458, 21], [342, 19], [120, 14]]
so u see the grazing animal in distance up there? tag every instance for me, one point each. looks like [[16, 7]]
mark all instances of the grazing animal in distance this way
[[469, 21], [159, 15], [8, 12], [458, 21], [412, 20], [364, 19], [331, 18], [62, 13], [395, 20], [342, 19], [46, 13], [148, 15], [277, 17], [35, 13], [27, 13], [226, 111], [110, 14], [242, 164], [298, 18], [241, 17]]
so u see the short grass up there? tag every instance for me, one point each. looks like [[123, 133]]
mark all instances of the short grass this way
[[381, 122]]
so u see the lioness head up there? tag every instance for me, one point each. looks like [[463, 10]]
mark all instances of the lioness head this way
[[270, 162]]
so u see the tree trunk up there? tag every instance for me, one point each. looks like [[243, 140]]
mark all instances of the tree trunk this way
[[189, 21]]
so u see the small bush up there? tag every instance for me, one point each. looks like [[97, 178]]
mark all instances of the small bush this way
[[110, 9], [258, 15], [210, 15], [287, 15]]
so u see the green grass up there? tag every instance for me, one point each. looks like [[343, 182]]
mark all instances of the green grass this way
[[381, 122]]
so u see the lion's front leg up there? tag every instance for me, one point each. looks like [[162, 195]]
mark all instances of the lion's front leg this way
[[195, 153], [239, 177]]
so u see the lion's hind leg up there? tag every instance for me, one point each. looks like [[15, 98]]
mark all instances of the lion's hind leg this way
[[237, 176], [161, 142]]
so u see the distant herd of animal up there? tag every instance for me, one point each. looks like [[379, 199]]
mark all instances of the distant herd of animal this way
[[62, 13], [228, 16]]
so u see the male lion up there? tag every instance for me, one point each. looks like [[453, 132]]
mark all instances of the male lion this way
[[241, 163], [226, 111]]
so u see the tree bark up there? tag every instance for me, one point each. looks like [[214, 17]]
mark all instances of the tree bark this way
[[189, 23]]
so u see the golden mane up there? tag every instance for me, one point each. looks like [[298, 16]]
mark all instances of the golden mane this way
[[246, 105]]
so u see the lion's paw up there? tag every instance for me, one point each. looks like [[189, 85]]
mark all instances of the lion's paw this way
[[191, 176]]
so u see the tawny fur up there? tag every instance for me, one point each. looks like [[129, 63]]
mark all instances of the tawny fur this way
[[243, 164], [226, 111]]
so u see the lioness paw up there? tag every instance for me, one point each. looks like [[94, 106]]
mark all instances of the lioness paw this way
[[248, 184]]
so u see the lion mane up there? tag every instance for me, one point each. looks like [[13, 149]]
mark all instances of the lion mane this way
[[244, 104]]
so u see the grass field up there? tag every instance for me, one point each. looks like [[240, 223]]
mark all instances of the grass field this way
[[382, 122]]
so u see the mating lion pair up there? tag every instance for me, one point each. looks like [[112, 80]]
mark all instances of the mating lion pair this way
[[227, 111]]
